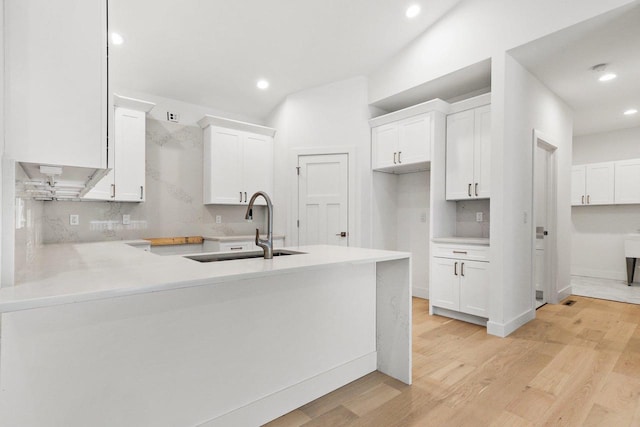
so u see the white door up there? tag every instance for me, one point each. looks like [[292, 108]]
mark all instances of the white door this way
[[627, 181], [474, 288], [415, 139], [600, 183], [385, 145], [482, 152], [223, 168], [459, 163], [444, 291], [540, 206], [578, 186], [323, 188], [258, 166], [129, 154]]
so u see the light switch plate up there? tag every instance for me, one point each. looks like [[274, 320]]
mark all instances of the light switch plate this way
[[74, 219], [126, 219]]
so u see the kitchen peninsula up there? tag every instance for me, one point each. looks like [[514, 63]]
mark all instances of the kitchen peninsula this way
[[108, 334]]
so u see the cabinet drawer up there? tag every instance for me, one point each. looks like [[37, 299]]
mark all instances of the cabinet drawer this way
[[472, 253], [236, 246]]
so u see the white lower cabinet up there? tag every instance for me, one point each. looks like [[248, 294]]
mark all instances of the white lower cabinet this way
[[210, 245], [459, 282]]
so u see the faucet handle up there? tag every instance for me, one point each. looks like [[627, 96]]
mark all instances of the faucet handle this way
[[257, 236]]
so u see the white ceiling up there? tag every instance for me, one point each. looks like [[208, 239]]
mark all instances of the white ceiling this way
[[563, 61], [212, 52]]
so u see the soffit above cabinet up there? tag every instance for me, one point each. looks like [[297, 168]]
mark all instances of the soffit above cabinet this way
[[425, 107], [235, 124]]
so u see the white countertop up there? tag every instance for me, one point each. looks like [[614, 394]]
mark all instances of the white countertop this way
[[462, 240], [240, 238], [68, 273]]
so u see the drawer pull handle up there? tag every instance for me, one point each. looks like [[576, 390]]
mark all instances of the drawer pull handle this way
[[455, 269], [394, 159], [476, 189], [460, 252], [469, 190], [237, 248]]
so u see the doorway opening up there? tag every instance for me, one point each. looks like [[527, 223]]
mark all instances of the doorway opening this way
[[544, 220]]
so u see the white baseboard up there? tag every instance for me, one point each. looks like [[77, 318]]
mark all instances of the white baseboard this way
[[470, 318], [279, 403], [420, 292], [563, 293], [504, 329], [597, 273]]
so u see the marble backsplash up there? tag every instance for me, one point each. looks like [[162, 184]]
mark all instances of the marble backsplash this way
[[466, 224], [28, 226], [173, 205]]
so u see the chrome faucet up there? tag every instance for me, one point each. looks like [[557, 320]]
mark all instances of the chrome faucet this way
[[266, 245]]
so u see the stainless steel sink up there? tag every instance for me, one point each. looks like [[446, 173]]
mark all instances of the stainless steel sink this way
[[228, 256]]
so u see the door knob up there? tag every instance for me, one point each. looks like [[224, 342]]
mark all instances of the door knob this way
[[342, 234]]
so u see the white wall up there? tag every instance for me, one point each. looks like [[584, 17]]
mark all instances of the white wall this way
[[474, 31], [2, 101], [527, 105], [334, 115], [597, 243]]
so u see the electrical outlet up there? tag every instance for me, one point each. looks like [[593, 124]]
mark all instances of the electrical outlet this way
[[218, 219], [423, 217], [74, 219], [479, 216], [126, 219], [525, 217], [173, 117]]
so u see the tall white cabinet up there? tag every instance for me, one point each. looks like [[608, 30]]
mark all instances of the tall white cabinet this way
[[238, 161], [468, 156], [125, 182], [56, 81]]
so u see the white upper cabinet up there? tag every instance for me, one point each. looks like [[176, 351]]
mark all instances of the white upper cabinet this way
[[578, 185], [125, 182], [402, 144], [468, 154], [56, 81], [401, 141], [627, 181], [238, 161], [598, 184]]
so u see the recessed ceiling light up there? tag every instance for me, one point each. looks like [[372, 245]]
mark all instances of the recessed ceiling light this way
[[607, 77], [413, 11], [630, 111], [262, 84], [116, 38]]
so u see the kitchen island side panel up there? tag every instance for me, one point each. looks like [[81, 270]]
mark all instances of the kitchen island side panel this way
[[184, 356]]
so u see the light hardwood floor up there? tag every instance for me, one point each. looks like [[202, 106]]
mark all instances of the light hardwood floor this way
[[573, 365]]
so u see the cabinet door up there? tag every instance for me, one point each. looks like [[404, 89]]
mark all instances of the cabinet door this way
[[384, 141], [444, 289], [627, 181], [414, 144], [459, 169], [600, 183], [129, 164], [56, 64], [474, 288], [578, 186], [104, 189], [258, 166], [223, 171], [482, 152]]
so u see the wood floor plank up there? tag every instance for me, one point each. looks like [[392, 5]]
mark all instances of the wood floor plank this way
[[575, 365]]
